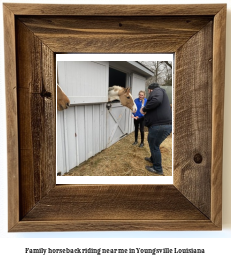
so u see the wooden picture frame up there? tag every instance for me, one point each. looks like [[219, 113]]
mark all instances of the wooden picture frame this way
[[34, 33]]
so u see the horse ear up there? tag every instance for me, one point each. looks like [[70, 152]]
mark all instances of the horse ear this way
[[127, 90]]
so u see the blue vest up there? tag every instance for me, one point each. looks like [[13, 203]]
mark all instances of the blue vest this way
[[138, 103]]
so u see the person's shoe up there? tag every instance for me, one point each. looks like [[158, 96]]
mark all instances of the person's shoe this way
[[141, 145], [148, 159], [151, 169], [135, 143]]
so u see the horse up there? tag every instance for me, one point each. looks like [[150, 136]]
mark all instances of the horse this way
[[123, 94], [114, 93], [62, 100]]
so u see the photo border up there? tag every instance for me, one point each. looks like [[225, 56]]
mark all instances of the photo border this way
[[103, 179], [35, 203]]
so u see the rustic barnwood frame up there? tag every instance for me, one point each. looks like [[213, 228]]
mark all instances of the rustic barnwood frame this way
[[34, 34]]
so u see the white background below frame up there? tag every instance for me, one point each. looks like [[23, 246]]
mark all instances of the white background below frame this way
[[114, 179]]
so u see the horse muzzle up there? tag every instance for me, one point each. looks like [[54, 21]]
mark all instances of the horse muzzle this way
[[62, 106], [134, 108]]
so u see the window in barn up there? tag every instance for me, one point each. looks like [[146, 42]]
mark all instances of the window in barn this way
[[117, 78]]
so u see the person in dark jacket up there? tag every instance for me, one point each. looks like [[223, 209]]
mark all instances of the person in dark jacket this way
[[158, 119], [139, 118]]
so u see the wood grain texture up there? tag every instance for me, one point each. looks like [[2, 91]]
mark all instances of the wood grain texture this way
[[36, 98], [113, 207], [11, 116], [114, 225], [217, 114], [115, 34], [193, 128], [115, 10], [189, 204], [108, 202]]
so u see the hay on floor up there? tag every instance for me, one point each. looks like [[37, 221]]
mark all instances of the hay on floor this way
[[124, 159]]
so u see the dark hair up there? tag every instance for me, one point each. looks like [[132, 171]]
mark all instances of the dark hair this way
[[153, 85]]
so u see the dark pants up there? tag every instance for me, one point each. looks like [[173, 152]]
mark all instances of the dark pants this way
[[156, 135], [139, 124]]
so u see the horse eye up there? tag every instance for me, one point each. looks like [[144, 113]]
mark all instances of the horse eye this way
[[128, 97]]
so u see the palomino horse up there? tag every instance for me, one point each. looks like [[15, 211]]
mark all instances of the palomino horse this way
[[62, 100], [124, 95]]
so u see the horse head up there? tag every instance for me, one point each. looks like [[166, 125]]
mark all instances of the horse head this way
[[126, 99], [62, 100]]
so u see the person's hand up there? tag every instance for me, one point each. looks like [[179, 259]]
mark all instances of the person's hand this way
[[141, 110]]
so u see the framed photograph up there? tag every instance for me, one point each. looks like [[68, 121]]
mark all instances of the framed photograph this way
[[34, 34], [95, 136]]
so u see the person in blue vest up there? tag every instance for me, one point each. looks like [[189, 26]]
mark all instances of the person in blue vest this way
[[139, 118], [158, 119]]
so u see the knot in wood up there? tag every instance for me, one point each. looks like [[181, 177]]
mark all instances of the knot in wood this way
[[45, 94], [198, 158]]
